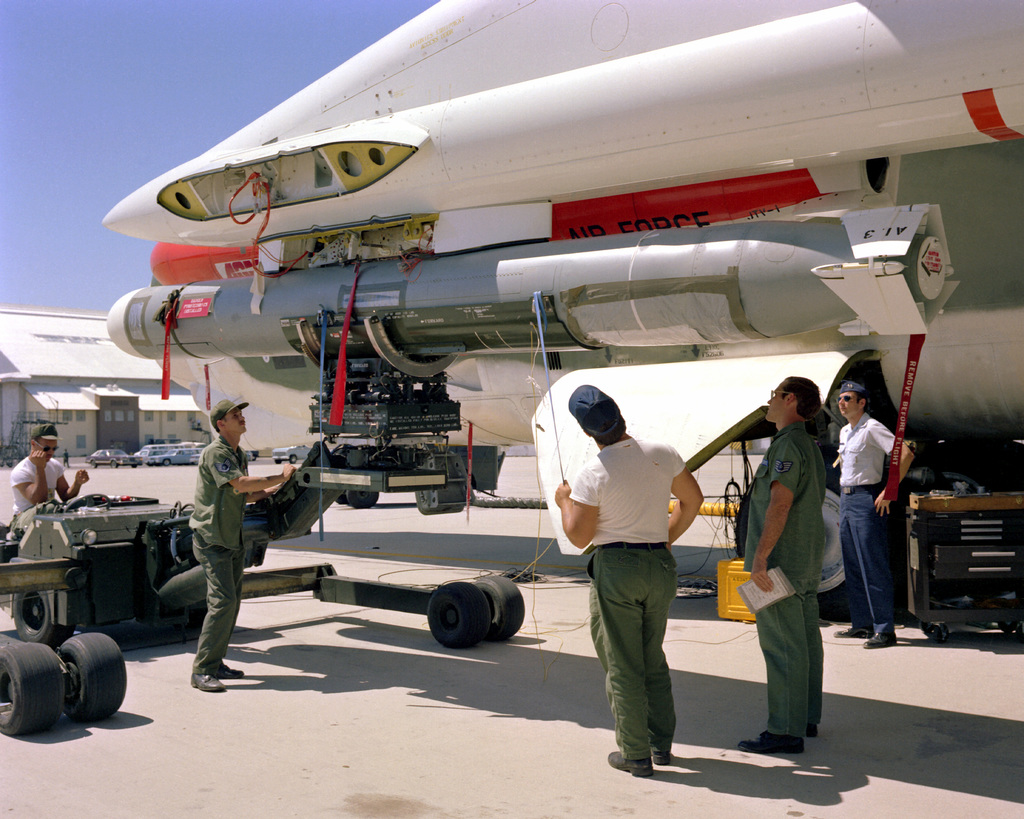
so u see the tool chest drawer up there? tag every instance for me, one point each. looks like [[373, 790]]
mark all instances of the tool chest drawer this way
[[976, 560]]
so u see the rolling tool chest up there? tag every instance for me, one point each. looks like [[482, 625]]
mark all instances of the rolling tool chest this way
[[965, 561]]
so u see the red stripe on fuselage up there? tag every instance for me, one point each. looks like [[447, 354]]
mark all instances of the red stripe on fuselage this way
[[984, 111], [747, 197]]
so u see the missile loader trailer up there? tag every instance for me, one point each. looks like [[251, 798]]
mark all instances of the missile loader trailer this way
[[104, 560]]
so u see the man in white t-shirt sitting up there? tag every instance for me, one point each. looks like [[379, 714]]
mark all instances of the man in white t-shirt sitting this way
[[39, 478]]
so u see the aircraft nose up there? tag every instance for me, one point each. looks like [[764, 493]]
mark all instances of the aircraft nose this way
[[139, 215]]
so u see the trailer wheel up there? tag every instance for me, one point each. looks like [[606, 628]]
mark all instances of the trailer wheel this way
[[33, 618], [31, 688], [937, 632], [361, 498], [458, 614], [508, 610], [98, 677]]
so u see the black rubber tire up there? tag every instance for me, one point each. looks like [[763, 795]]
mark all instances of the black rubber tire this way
[[361, 498], [31, 688], [99, 679], [937, 632], [166, 461], [33, 618], [508, 609], [292, 458], [458, 614]]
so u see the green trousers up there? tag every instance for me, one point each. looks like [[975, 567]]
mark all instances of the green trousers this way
[[790, 639], [23, 520], [223, 569], [629, 603]]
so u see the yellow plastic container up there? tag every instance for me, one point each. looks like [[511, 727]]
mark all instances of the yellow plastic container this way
[[730, 604]]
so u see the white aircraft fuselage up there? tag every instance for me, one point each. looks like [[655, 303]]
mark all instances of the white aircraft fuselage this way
[[565, 148]]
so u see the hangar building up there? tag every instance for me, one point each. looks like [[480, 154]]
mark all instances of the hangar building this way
[[59, 365]]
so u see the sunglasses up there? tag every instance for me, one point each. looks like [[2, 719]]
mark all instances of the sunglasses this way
[[846, 398], [779, 394], [49, 448]]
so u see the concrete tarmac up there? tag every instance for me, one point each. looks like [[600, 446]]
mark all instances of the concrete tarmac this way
[[355, 712]]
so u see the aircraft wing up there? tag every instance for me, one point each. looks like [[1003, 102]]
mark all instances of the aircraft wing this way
[[697, 407]]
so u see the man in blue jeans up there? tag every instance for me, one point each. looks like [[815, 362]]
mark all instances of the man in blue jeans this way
[[864, 447], [619, 503]]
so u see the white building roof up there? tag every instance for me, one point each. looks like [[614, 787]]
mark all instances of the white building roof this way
[[58, 397], [52, 342], [66, 361]]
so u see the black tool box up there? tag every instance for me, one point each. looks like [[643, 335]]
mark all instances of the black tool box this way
[[965, 561]]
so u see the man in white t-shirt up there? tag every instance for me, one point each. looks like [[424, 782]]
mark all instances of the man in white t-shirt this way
[[620, 503], [39, 478]]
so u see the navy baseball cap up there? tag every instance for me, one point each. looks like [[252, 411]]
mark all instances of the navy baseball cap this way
[[853, 386], [596, 412]]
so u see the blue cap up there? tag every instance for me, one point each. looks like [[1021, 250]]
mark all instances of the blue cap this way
[[596, 412], [853, 386]]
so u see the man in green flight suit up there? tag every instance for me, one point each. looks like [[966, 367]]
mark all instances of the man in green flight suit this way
[[786, 530], [223, 487]]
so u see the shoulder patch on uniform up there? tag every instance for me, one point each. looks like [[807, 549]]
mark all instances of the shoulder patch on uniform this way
[[783, 466], [223, 466]]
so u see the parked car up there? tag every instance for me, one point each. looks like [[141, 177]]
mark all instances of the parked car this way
[[292, 454], [174, 456], [149, 450], [113, 458]]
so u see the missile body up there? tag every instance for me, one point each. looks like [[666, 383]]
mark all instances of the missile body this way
[[716, 285]]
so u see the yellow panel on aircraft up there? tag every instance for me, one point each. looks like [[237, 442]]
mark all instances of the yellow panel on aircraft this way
[[313, 173]]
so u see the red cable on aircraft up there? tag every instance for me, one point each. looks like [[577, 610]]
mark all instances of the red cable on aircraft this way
[[260, 185], [338, 399], [257, 183]]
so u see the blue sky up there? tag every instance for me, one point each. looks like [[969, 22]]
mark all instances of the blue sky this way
[[97, 97]]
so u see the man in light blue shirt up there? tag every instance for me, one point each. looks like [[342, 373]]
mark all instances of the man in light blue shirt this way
[[864, 445]]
